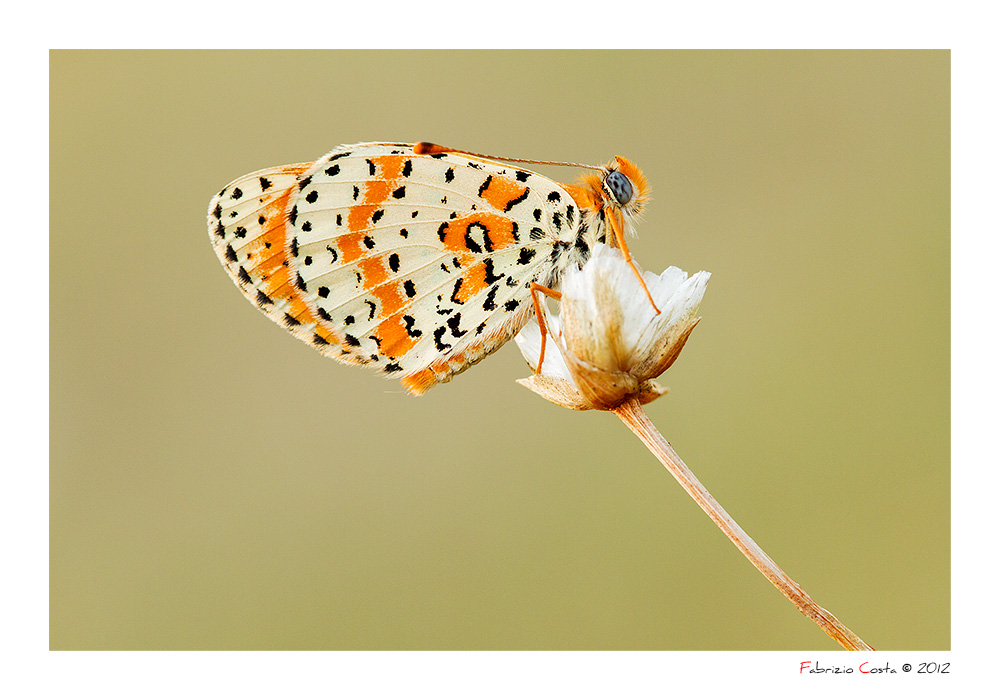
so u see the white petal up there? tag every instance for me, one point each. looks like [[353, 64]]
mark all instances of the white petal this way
[[609, 296], [529, 341], [678, 308]]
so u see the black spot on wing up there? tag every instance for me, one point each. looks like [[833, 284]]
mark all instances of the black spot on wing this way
[[458, 285], [489, 276], [490, 303], [485, 186], [453, 323], [410, 330], [441, 346], [517, 200]]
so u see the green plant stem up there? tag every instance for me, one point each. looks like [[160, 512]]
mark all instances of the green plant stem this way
[[633, 415]]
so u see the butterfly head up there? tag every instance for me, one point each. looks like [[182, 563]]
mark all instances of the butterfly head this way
[[620, 187]]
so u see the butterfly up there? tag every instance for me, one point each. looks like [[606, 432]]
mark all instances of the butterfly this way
[[414, 259]]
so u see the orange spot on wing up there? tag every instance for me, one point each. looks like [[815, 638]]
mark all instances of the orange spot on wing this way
[[500, 231], [419, 382], [390, 300], [373, 272], [298, 309], [377, 191], [391, 167], [359, 217], [473, 282], [351, 247], [394, 341], [328, 335], [502, 191], [350, 244]]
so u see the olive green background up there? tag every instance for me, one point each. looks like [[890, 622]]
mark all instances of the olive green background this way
[[216, 484]]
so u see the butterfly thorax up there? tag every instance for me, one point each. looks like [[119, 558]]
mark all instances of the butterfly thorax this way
[[619, 189]]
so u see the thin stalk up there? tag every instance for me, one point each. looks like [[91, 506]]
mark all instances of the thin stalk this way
[[632, 414]]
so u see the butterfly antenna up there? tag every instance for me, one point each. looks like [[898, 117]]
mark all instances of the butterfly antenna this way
[[425, 148]]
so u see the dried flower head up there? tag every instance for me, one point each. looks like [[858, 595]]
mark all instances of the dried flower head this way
[[611, 342]]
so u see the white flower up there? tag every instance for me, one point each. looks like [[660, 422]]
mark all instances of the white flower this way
[[608, 343]]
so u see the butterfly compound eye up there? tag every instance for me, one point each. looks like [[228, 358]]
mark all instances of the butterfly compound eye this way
[[619, 187]]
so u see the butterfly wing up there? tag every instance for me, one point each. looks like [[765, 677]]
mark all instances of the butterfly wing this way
[[417, 265], [247, 224]]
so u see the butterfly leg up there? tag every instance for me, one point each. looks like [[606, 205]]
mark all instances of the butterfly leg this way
[[535, 290], [620, 240]]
